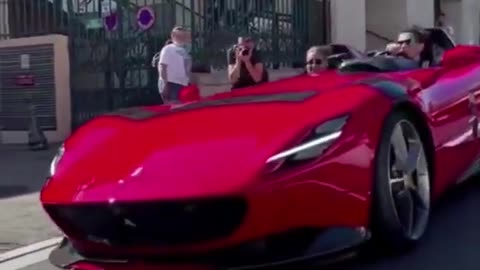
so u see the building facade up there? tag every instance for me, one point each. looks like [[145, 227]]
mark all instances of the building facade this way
[[111, 42], [384, 18], [365, 24], [464, 17]]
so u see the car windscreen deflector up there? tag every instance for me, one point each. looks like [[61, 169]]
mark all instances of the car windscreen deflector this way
[[139, 113]]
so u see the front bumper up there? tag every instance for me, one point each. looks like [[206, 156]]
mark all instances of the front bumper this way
[[330, 246]]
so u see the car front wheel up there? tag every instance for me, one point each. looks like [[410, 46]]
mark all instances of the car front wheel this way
[[401, 195]]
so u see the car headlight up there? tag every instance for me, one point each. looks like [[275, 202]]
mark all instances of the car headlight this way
[[314, 145], [56, 160]]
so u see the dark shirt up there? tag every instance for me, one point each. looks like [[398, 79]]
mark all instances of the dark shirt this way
[[426, 60], [407, 64], [245, 78]]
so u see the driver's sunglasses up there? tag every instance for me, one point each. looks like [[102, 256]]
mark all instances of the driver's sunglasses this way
[[315, 61], [406, 42]]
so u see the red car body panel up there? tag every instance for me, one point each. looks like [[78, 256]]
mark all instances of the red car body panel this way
[[220, 151]]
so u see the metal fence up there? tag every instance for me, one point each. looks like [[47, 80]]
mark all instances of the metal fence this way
[[112, 41], [23, 18]]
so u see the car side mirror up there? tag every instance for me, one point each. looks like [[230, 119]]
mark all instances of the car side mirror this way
[[461, 55], [190, 93]]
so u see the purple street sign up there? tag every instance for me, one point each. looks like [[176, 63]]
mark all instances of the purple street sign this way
[[145, 18], [110, 22]]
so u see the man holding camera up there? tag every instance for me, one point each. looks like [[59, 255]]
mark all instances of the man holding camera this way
[[245, 67]]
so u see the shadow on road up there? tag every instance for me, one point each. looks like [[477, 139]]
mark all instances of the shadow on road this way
[[451, 243], [23, 171]]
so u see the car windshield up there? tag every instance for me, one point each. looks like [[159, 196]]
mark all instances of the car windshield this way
[[378, 64]]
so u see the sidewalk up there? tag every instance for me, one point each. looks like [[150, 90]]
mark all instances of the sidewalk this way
[[22, 174]]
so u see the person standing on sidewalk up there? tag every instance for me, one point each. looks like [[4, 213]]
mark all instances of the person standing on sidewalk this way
[[174, 65], [245, 65]]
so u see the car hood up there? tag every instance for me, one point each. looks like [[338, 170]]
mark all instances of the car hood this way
[[208, 148]]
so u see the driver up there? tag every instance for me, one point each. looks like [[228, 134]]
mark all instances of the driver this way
[[410, 45]]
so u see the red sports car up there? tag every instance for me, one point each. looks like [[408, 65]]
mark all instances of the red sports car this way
[[296, 168]]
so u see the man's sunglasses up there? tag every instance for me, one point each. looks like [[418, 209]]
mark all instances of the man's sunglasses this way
[[315, 61], [406, 42]]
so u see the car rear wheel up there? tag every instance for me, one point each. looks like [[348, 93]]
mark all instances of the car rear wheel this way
[[401, 198]]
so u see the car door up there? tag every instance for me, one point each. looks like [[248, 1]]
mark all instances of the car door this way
[[451, 103]]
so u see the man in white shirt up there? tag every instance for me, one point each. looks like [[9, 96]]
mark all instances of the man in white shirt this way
[[174, 65]]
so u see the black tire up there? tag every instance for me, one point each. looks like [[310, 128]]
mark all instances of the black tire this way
[[387, 229]]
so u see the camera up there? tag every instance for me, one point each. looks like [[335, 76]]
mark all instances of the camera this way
[[244, 50]]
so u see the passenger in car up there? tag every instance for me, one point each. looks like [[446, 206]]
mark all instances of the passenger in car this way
[[317, 59]]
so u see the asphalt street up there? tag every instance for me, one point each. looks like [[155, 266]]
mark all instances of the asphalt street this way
[[22, 174], [452, 242]]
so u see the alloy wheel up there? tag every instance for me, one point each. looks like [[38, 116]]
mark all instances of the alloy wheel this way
[[409, 179]]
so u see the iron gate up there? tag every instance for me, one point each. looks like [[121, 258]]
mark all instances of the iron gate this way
[[112, 41]]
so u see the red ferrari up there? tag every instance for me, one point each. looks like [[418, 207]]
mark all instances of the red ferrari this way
[[291, 169]]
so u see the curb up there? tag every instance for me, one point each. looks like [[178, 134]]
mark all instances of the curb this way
[[22, 251]]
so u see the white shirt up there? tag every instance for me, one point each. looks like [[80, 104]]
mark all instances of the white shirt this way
[[178, 62]]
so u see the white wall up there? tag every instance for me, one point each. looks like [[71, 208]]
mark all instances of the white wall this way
[[420, 12], [453, 10], [470, 22], [348, 22], [464, 17], [468, 32], [387, 17]]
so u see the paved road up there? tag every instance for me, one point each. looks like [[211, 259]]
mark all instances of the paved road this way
[[452, 243], [22, 171], [22, 174]]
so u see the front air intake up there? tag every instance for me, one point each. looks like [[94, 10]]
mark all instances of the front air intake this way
[[151, 224]]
